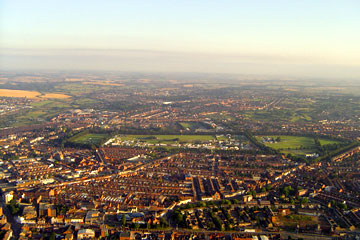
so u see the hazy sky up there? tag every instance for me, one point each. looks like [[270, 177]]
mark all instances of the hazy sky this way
[[285, 37]]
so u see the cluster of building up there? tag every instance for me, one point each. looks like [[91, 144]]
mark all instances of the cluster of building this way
[[224, 188]]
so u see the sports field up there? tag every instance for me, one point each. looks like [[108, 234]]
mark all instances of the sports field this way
[[297, 145], [168, 139]]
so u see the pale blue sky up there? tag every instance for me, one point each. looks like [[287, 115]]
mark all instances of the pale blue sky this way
[[238, 36]]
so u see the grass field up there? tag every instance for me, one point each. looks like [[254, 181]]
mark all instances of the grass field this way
[[300, 114], [89, 138], [193, 125], [44, 108], [50, 104], [297, 145], [41, 104], [168, 139], [291, 142], [85, 101], [300, 117], [39, 112], [324, 141], [185, 125], [79, 89]]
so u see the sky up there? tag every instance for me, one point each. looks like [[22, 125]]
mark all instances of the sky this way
[[313, 38]]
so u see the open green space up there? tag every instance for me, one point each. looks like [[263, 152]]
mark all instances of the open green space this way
[[324, 141], [51, 104], [168, 139], [300, 117], [221, 138], [41, 103], [297, 145], [85, 102], [79, 89], [185, 125], [45, 110], [194, 125], [292, 115], [287, 142], [39, 112], [89, 138]]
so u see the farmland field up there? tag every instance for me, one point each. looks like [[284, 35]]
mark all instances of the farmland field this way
[[29, 94], [55, 95], [18, 93]]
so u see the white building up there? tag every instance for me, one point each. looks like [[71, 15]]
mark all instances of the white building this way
[[8, 197], [86, 234]]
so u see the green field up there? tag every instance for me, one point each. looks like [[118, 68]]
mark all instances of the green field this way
[[291, 142], [89, 138], [193, 125], [168, 139], [185, 125], [324, 141], [293, 115], [297, 145], [39, 112]]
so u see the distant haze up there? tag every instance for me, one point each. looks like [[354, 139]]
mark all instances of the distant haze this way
[[296, 38]]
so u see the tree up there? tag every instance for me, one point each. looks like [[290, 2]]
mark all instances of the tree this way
[[253, 193], [123, 220], [342, 206], [178, 217], [52, 236], [163, 223], [136, 226], [287, 191], [14, 207], [228, 202], [304, 200], [227, 227]]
